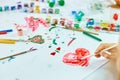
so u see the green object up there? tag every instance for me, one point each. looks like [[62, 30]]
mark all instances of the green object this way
[[57, 11], [76, 26], [51, 4], [0, 9], [61, 2], [37, 39], [79, 15], [92, 36], [52, 28]]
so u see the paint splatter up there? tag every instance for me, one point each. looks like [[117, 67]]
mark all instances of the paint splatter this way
[[49, 46], [11, 58], [70, 41], [52, 28], [53, 53], [57, 50], [74, 58], [54, 42], [37, 39]]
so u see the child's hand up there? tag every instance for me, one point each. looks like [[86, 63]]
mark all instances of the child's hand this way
[[99, 51]]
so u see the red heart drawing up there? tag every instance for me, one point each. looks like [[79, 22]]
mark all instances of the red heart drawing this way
[[74, 58]]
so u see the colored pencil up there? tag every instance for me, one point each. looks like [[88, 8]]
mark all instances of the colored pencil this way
[[105, 50]]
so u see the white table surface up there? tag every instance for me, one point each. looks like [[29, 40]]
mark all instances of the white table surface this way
[[40, 65]]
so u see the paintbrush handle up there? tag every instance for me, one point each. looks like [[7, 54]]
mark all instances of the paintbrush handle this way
[[7, 41], [105, 50], [17, 54], [81, 30]]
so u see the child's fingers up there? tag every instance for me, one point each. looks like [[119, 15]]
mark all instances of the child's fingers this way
[[100, 48], [106, 55]]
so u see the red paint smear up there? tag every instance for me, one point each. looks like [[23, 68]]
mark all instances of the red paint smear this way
[[58, 48], [70, 41], [53, 53], [73, 59], [115, 16]]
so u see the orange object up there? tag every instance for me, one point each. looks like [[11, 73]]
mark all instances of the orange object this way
[[20, 32]]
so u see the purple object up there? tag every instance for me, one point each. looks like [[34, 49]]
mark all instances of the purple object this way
[[42, 0], [19, 6]]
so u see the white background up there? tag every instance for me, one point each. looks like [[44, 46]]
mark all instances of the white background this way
[[40, 65]]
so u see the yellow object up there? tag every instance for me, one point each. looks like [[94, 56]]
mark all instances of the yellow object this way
[[104, 25], [37, 9], [7, 41]]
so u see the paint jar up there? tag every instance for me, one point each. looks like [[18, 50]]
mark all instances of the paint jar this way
[[54, 22], [57, 11], [50, 11], [6, 8], [19, 6], [1, 9], [48, 19], [44, 11], [32, 4], [31, 9], [37, 9], [13, 8], [69, 24], [20, 32]]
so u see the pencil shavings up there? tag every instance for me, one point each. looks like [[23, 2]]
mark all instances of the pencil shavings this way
[[37, 39], [74, 59]]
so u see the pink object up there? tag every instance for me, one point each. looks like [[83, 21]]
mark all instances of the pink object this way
[[74, 58], [20, 32], [31, 23], [97, 28]]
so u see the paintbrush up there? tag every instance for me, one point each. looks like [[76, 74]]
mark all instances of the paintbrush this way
[[24, 52], [81, 30], [105, 50], [12, 41]]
